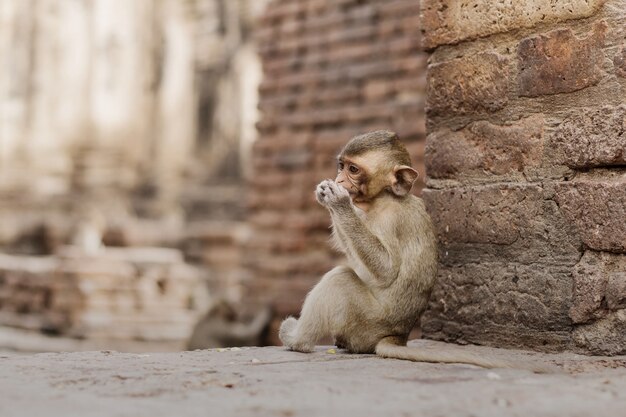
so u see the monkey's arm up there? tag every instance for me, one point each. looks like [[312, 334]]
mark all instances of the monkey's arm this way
[[367, 246], [353, 232]]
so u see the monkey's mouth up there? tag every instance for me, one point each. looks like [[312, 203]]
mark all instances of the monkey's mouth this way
[[350, 190], [354, 195]]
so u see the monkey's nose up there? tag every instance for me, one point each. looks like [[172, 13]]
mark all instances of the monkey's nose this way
[[348, 187]]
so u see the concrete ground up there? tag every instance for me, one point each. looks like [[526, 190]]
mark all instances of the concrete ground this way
[[274, 382]]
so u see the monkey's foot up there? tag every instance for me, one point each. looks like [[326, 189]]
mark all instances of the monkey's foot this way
[[340, 343], [287, 331], [287, 335]]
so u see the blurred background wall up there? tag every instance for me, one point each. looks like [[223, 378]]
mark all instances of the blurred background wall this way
[[124, 95], [128, 124], [333, 69]]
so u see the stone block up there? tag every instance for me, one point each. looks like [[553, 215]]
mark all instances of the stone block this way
[[606, 336], [560, 62], [616, 289], [451, 21], [592, 137], [597, 207], [483, 150], [498, 302], [61, 294], [518, 222], [599, 286], [472, 84]]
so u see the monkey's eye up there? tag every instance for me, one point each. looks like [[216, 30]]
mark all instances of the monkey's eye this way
[[354, 169], [340, 166]]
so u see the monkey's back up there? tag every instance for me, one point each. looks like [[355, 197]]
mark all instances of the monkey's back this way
[[407, 297]]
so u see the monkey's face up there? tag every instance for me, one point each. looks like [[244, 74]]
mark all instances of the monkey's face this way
[[358, 174], [350, 176], [367, 175]]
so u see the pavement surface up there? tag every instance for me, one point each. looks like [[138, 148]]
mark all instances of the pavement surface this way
[[274, 382]]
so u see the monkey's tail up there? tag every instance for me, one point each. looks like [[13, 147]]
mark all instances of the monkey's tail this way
[[390, 347]]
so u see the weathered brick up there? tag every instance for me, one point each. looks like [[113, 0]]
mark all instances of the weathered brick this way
[[599, 286], [352, 34], [345, 53], [604, 336], [452, 21], [285, 10], [597, 207], [592, 137], [560, 62], [502, 302], [472, 84], [616, 288], [502, 221], [620, 62], [400, 8], [483, 150], [293, 159]]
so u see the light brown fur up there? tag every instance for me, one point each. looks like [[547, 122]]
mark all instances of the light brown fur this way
[[371, 304]]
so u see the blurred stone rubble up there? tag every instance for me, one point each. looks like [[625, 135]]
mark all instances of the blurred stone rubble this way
[[125, 133]]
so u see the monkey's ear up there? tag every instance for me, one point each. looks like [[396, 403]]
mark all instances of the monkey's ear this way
[[403, 178]]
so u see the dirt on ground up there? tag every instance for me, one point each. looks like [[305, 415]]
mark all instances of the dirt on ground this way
[[272, 381]]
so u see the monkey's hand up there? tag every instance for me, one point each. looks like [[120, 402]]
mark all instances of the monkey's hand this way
[[332, 196]]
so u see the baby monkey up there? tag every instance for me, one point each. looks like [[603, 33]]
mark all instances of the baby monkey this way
[[371, 304]]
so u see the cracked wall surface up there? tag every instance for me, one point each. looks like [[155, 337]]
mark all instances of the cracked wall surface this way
[[526, 166]]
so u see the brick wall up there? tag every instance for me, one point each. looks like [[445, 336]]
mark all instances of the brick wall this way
[[525, 156], [332, 69]]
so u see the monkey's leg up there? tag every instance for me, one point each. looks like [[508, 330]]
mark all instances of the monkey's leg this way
[[325, 311]]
